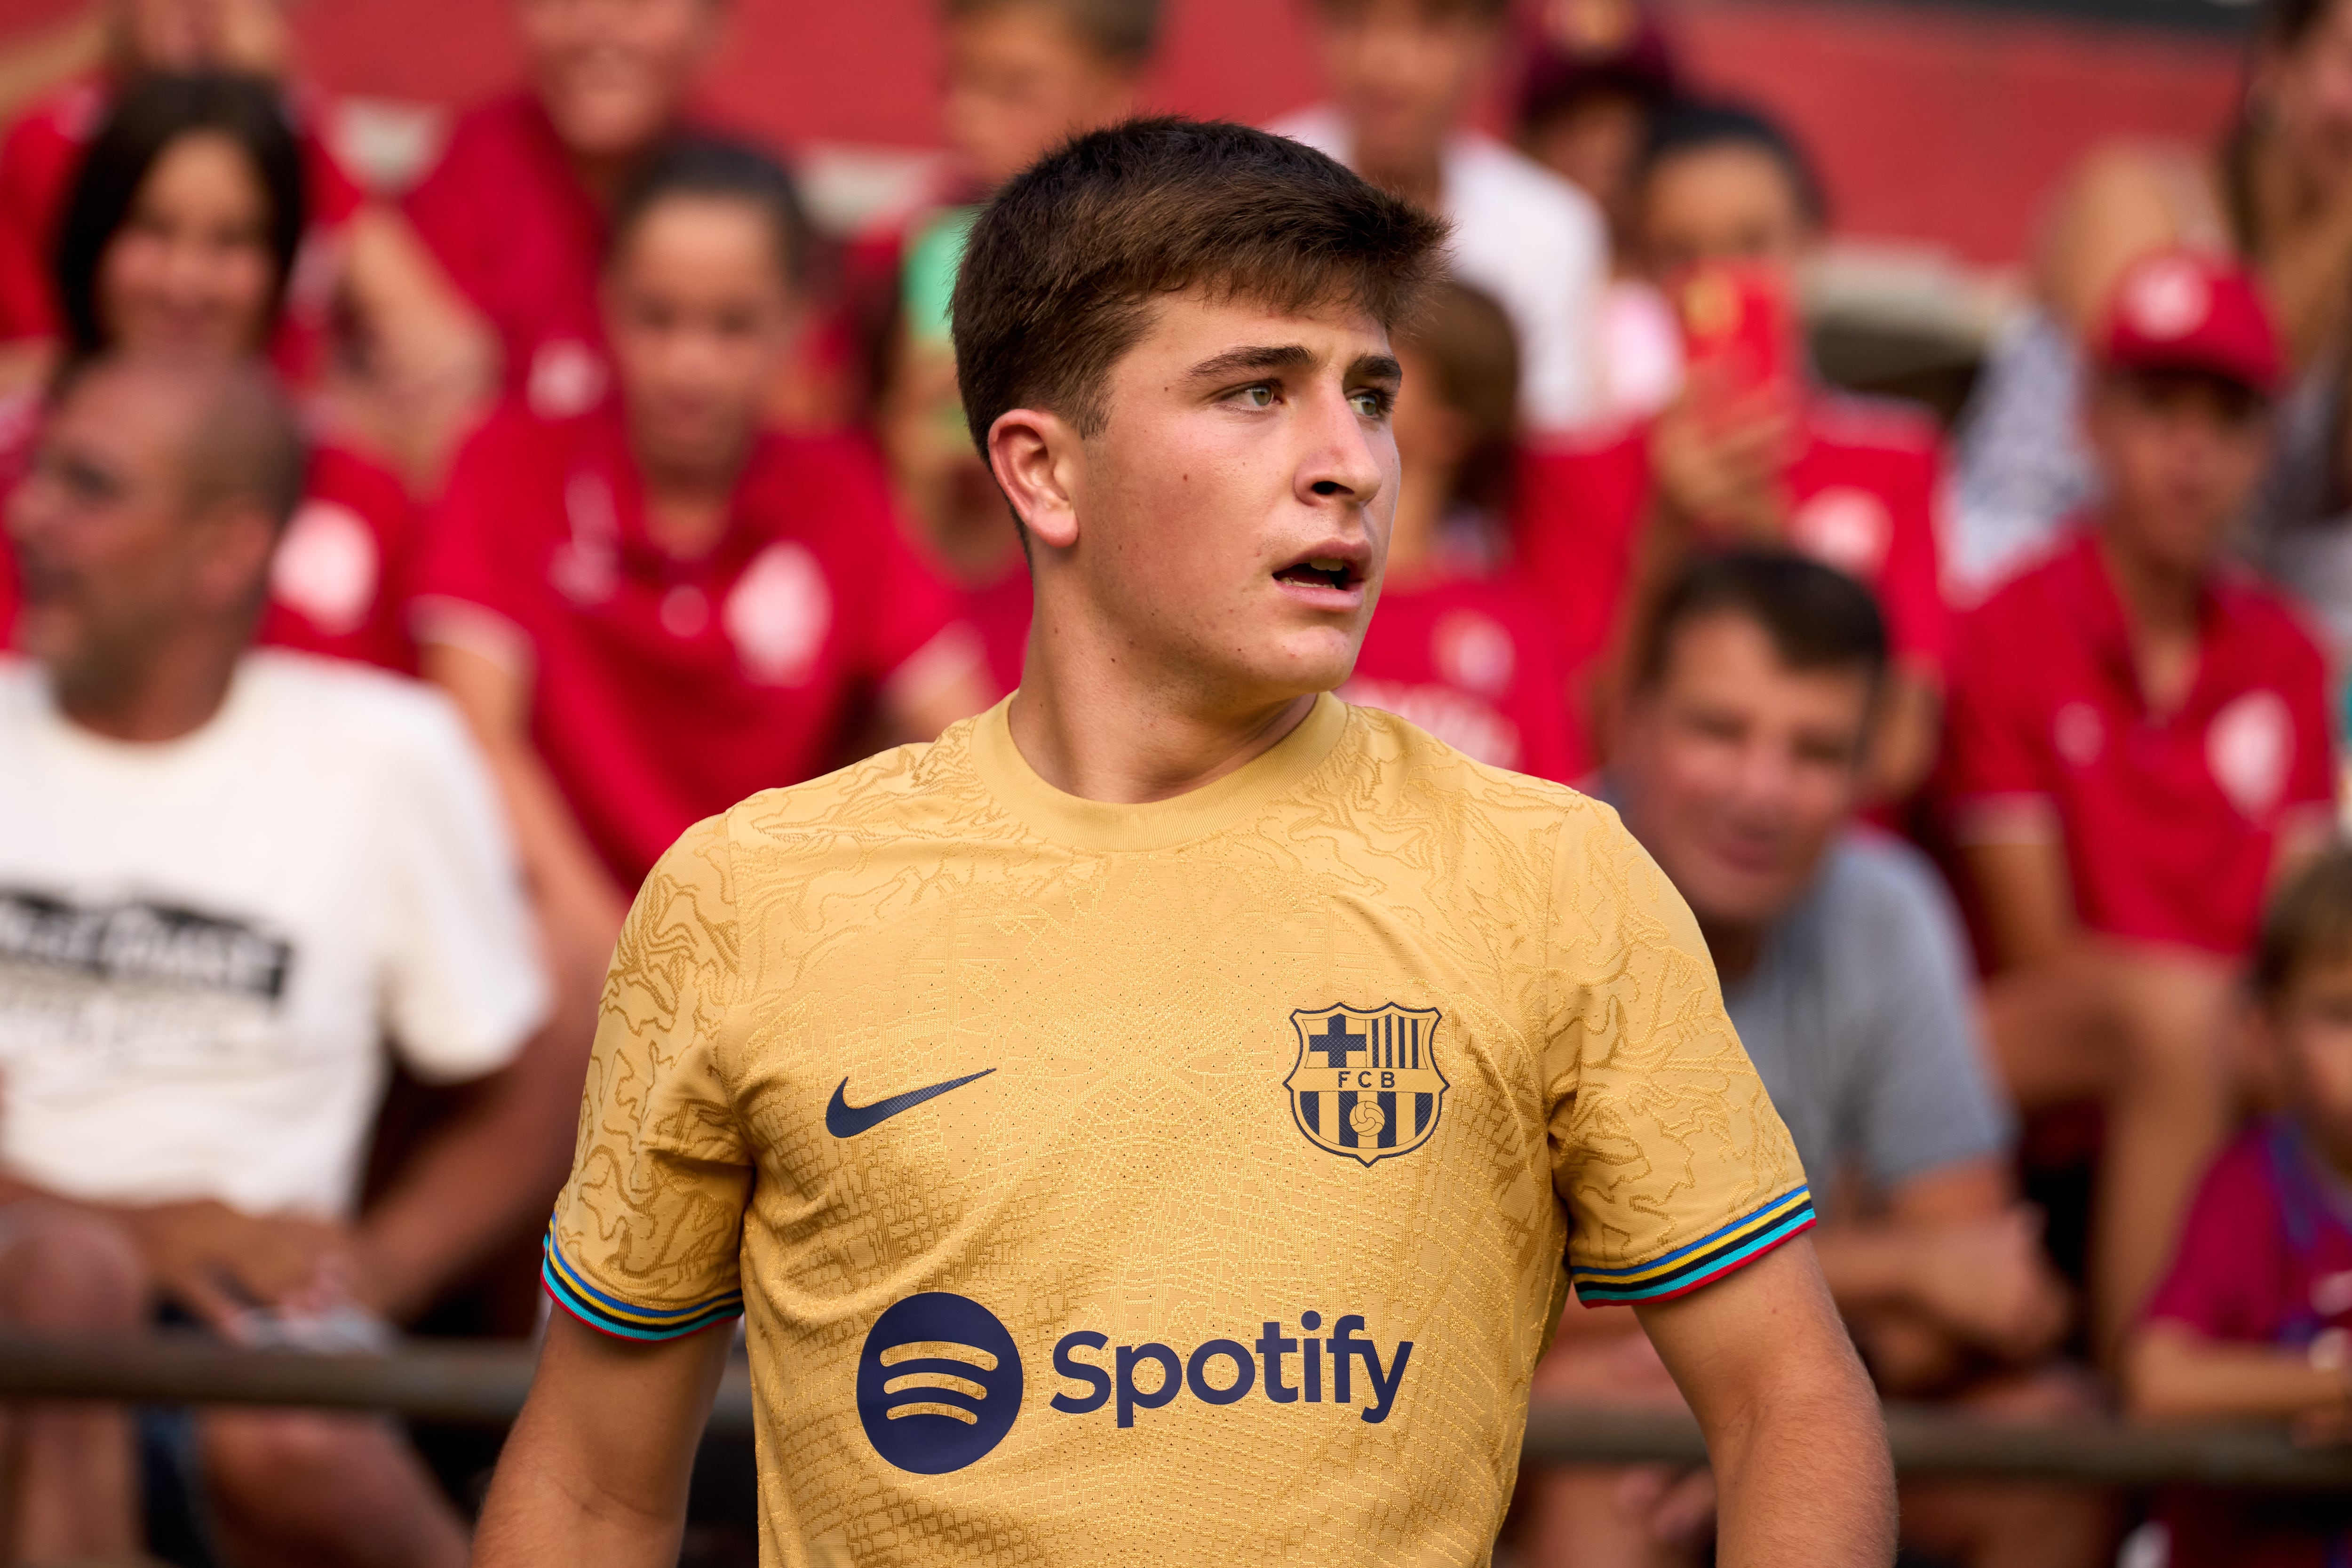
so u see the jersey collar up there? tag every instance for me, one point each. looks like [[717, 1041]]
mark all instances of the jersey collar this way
[[1114, 828]]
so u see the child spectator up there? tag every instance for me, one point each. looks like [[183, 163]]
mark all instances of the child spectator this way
[[227, 879], [1455, 648], [179, 235], [363, 277], [1738, 768], [2138, 745], [657, 606], [2275, 192], [1598, 73], [1749, 453], [1023, 76], [1402, 73], [2253, 1319], [517, 207]]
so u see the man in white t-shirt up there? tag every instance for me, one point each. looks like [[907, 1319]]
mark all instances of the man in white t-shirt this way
[[227, 877], [1403, 75]]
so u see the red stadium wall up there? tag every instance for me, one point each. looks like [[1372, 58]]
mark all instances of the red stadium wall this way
[[1942, 126]]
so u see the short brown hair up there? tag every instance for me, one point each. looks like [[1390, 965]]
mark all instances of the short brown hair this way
[[2310, 922], [1123, 32], [1062, 268]]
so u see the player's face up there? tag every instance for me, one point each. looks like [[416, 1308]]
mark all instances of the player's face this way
[[191, 268], [700, 320], [2312, 1025], [611, 74], [2181, 456], [1233, 512], [1726, 202], [1403, 71], [1019, 82], [107, 557], [1738, 771]]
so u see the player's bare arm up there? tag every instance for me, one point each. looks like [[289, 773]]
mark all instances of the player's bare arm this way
[[1792, 1426], [594, 1475]]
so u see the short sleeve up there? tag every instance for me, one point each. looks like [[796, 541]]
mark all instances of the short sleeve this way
[[466, 986], [647, 1229], [1673, 1166], [1924, 1098], [2226, 1271], [1994, 752], [475, 582]]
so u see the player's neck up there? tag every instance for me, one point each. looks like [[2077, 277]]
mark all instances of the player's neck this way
[[1090, 727], [164, 692]]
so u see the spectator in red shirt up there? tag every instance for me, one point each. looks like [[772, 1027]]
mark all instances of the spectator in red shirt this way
[[657, 606], [180, 236], [2253, 1321], [363, 276], [1022, 77], [518, 206], [1456, 647], [2138, 742], [1749, 454]]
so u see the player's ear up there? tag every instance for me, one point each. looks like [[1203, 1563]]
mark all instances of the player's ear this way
[[1035, 456]]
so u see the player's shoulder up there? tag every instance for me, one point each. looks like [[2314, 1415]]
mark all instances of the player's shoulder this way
[[910, 792], [1411, 773]]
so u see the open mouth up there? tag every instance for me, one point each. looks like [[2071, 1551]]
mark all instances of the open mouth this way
[[1318, 572]]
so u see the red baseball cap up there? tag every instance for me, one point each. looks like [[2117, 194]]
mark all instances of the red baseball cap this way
[[2187, 309]]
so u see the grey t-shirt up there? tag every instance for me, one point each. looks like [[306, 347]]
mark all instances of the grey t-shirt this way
[[1859, 1019]]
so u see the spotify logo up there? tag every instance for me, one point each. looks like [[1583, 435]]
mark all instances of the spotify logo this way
[[939, 1384]]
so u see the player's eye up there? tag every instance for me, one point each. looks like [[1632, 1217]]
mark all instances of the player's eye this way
[[1258, 396], [1370, 402]]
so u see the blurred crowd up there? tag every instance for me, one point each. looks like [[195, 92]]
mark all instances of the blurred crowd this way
[[392, 579]]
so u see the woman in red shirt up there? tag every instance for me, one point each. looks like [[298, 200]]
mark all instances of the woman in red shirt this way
[[181, 233]]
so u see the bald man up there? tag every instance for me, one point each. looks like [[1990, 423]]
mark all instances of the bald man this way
[[227, 877]]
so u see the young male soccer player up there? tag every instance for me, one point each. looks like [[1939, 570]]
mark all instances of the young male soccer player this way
[[1150, 1120]]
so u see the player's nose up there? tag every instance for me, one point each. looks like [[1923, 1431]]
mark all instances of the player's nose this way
[[1341, 459]]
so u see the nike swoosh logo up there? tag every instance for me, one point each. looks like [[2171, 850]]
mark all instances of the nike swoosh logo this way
[[844, 1120]]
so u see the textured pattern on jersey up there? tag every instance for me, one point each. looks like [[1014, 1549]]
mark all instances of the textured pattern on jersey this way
[[1133, 1175]]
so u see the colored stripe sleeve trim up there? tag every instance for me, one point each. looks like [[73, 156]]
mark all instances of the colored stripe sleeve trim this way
[[1703, 1261], [610, 1314]]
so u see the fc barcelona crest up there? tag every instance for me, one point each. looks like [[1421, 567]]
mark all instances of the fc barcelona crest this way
[[1367, 1083]]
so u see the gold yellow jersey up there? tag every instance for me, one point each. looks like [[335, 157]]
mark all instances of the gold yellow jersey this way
[[1173, 1183]]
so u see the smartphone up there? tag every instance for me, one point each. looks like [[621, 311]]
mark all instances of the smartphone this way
[[1737, 317]]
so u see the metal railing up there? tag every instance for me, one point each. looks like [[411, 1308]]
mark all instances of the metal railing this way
[[485, 1382]]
